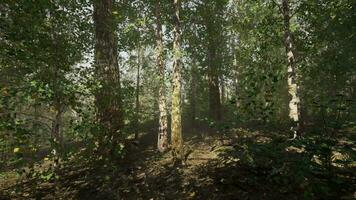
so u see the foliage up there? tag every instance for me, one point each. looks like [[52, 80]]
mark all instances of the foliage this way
[[234, 61], [312, 165]]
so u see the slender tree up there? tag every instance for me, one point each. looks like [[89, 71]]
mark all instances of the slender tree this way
[[193, 92], [56, 131], [57, 102], [294, 103], [223, 91], [162, 143], [137, 106], [236, 79], [177, 139]]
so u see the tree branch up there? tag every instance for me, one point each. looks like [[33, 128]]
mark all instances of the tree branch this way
[[278, 6]]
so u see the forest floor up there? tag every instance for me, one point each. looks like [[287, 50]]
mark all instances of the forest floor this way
[[244, 164]]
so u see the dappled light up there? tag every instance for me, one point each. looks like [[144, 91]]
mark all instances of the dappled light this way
[[173, 99]]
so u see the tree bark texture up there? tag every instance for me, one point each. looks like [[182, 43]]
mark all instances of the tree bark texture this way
[[294, 103], [137, 106], [107, 73], [162, 141], [177, 139]]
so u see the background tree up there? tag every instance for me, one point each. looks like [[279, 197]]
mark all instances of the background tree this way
[[39, 55]]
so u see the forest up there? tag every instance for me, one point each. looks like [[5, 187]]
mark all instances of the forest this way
[[178, 99]]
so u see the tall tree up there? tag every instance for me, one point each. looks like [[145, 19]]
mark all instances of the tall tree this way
[[235, 68], [58, 107], [294, 103], [212, 15], [108, 98], [193, 92], [177, 139], [162, 143], [137, 102]]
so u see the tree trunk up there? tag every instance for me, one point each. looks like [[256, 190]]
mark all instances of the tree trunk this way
[[223, 90], [214, 90], [294, 103], [236, 86], [193, 94], [162, 142], [137, 117], [177, 139], [236, 74], [56, 132], [107, 97], [56, 128], [213, 63]]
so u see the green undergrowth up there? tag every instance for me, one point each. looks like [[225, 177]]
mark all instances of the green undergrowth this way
[[276, 168]]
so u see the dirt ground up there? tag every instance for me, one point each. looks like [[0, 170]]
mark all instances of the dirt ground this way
[[144, 173]]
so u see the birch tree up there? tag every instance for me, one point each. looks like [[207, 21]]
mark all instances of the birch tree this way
[[294, 103], [177, 139], [162, 143]]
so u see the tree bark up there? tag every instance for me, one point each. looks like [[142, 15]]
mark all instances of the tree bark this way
[[236, 73], [137, 117], [214, 90], [213, 63], [56, 132], [193, 94], [162, 142], [177, 139], [236, 83], [223, 90], [107, 96], [294, 103]]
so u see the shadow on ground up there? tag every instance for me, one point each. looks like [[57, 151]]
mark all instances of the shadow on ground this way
[[244, 164]]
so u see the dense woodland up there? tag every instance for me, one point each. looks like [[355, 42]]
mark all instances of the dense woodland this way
[[178, 99]]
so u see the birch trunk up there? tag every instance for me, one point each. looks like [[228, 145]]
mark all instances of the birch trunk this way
[[162, 141], [177, 139], [294, 103]]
